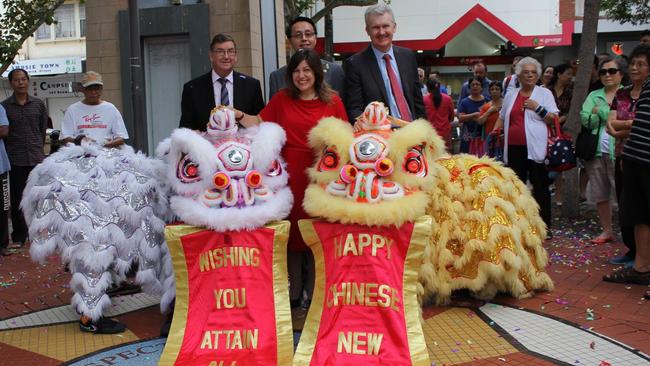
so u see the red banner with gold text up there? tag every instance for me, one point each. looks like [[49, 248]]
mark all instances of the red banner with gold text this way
[[232, 304], [364, 309]]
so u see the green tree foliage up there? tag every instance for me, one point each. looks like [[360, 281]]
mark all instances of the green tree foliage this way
[[19, 21], [627, 11]]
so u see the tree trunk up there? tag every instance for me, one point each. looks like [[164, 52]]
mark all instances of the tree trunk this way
[[571, 186], [328, 54]]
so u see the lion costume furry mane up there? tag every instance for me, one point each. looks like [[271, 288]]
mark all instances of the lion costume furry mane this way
[[487, 233]]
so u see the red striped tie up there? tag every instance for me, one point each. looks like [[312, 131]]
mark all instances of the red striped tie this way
[[397, 91]]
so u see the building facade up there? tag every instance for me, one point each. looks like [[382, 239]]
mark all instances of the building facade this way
[[450, 36], [175, 40], [55, 58]]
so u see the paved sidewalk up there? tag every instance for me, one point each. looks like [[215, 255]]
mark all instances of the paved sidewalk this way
[[584, 321]]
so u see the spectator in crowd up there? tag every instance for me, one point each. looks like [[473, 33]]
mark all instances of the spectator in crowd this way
[[435, 75], [4, 185], [510, 82], [383, 72], [468, 114], [547, 75], [423, 84], [27, 127], [561, 85], [301, 33], [594, 82], [619, 123], [645, 37], [480, 73], [489, 112], [440, 111], [221, 86], [525, 116], [600, 169], [298, 108], [636, 194], [93, 118]]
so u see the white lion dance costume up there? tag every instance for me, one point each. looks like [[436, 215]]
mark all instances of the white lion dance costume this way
[[229, 188], [487, 234], [102, 210]]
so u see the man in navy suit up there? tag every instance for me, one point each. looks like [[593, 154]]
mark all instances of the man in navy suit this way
[[383, 72], [221, 86]]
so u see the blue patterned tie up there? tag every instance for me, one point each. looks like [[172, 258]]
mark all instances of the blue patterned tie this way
[[224, 92]]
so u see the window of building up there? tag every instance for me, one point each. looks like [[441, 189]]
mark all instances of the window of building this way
[[82, 21], [43, 32], [65, 24], [70, 23]]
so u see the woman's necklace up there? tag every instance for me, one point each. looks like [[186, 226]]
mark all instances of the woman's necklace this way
[[311, 96]]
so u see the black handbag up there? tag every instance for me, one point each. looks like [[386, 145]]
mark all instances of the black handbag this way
[[560, 154], [586, 143]]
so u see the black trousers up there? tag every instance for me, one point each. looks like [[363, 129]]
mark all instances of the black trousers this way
[[4, 210], [627, 232], [17, 182], [536, 173]]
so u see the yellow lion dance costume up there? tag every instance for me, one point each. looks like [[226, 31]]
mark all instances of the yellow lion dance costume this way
[[487, 233]]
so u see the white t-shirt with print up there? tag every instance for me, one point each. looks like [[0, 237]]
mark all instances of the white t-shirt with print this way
[[99, 122]]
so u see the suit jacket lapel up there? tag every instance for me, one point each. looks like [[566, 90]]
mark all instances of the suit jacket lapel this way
[[239, 91], [208, 91], [371, 61]]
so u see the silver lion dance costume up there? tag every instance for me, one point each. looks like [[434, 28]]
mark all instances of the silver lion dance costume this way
[[102, 210]]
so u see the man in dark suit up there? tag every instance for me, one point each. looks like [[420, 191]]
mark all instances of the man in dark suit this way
[[383, 72], [301, 33], [221, 86]]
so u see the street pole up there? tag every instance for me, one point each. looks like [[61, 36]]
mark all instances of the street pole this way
[[140, 140]]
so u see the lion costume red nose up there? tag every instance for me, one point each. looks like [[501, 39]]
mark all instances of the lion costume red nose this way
[[221, 181]]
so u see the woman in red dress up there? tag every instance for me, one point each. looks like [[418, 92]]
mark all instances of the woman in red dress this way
[[298, 108], [440, 111]]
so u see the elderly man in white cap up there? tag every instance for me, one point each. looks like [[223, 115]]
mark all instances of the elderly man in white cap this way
[[93, 118]]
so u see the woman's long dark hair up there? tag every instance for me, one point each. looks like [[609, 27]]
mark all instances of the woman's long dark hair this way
[[323, 90], [433, 86], [557, 70]]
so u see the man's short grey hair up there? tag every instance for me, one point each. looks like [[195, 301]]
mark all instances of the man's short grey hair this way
[[528, 61], [378, 9]]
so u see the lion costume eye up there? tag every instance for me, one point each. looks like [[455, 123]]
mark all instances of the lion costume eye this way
[[329, 161], [275, 169], [415, 163], [187, 171]]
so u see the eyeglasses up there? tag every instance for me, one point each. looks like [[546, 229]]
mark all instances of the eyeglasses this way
[[610, 71], [300, 35], [639, 64], [221, 52]]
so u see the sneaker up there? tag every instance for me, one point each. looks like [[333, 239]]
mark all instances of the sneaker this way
[[124, 288], [621, 260], [101, 326]]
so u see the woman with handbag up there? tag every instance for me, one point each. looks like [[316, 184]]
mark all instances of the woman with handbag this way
[[471, 140], [561, 85], [600, 169], [525, 115]]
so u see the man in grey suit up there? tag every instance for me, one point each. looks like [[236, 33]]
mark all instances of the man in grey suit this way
[[383, 72], [301, 33]]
